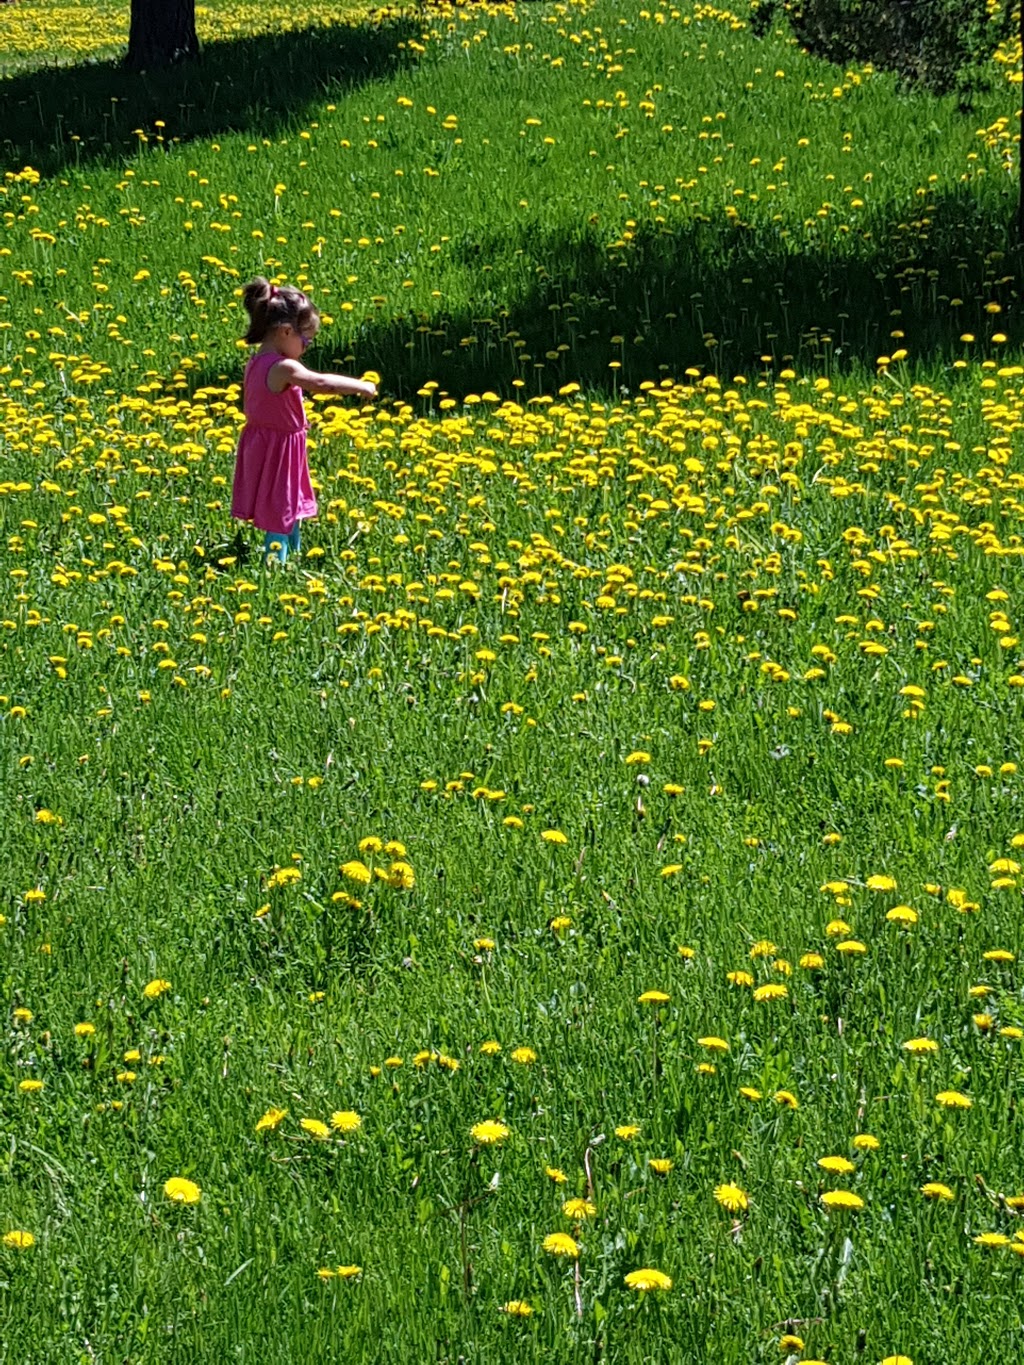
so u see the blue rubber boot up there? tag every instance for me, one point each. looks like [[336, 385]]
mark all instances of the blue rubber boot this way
[[275, 545], [295, 538]]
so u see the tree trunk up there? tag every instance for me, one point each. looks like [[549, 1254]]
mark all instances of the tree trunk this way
[[162, 32]]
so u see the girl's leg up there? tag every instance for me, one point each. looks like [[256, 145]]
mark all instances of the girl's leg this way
[[295, 538], [275, 543]]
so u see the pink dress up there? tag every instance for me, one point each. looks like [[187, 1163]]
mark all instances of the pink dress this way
[[271, 486]]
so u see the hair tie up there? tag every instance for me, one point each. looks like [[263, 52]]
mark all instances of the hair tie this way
[[273, 291]]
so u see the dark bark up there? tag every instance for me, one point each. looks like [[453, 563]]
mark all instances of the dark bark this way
[[162, 32]]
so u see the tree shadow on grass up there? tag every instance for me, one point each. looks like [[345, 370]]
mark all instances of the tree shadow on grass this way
[[916, 276], [546, 308], [59, 117]]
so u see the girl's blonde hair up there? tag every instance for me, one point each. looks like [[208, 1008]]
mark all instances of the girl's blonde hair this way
[[271, 305]]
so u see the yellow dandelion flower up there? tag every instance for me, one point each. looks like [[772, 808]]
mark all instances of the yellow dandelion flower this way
[[18, 1240], [774, 990], [842, 1199], [742, 979], [554, 1174], [517, 1308], [524, 1056], [732, 1198], [315, 1128], [553, 836], [348, 1272], [812, 962], [156, 988], [561, 1244], [1004, 865], [953, 1099], [660, 1165], [836, 1165], [880, 882], [270, 1120], [653, 998], [786, 1098], [490, 1048], [579, 1209], [401, 876], [851, 947], [637, 756], [627, 1131], [866, 1142], [749, 1093], [644, 1281], [346, 1121], [489, 1132], [283, 876], [181, 1191], [85, 1030], [919, 1046], [30, 1087], [934, 1189], [713, 1043], [358, 872], [991, 1239]]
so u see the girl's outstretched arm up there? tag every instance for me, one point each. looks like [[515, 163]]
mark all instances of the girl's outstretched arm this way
[[287, 371]]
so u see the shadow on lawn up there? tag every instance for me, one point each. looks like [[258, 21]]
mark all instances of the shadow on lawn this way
[[58, 117], [732, 300]]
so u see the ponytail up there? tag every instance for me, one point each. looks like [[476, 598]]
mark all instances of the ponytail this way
[[270, 305]]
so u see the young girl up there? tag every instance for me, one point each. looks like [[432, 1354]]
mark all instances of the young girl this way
[[271, 486]]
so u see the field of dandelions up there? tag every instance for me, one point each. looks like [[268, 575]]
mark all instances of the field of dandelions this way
[[573, 911]]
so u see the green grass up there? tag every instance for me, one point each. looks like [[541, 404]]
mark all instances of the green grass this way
[[506, 621]]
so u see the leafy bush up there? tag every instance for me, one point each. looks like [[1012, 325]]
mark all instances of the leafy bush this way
[[939, 44]]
